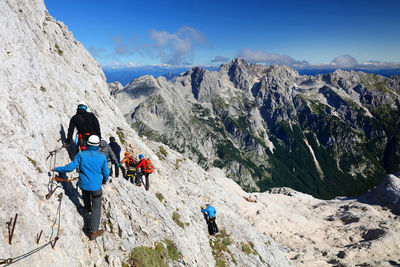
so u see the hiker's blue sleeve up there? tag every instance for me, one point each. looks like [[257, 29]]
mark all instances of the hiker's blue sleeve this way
[[105, 171], [71, 166]]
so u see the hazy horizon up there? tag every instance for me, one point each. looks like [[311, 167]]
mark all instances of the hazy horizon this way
[[125, 75]]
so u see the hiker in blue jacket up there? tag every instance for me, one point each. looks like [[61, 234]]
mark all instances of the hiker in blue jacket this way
[[93, 172], [209, 216]]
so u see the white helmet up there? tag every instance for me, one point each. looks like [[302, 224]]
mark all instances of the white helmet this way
[[82, 104], [93, 140]]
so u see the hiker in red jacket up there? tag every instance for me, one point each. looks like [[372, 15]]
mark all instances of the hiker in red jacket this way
[[146, 168]]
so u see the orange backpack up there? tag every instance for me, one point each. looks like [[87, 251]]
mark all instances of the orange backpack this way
[[149, 166]]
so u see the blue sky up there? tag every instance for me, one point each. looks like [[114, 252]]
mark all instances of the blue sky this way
[[299, 33]]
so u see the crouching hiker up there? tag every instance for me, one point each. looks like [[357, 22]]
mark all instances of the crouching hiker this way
[[209, 216], [93, 172], [130, 164]]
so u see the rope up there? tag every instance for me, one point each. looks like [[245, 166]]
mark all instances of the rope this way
[[10, 261]]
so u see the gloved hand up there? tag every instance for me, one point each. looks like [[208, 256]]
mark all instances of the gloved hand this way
[[104, 181], [117, 165]]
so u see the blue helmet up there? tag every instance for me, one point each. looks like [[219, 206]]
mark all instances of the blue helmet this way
[[141, 156]]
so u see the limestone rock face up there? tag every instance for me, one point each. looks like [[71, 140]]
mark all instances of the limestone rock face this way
[[387, 194], [267, 126], [340, 232], [44, 73]]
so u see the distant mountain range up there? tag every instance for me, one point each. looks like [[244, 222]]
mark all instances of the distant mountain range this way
[[327, 135], [126, 75]]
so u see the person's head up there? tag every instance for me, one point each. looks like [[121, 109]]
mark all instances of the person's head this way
[[112, 139], [127, 154], [141, 156], [93, 140], [82, 105]]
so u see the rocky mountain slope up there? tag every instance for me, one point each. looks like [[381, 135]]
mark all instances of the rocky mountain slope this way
[[43, 75], [266, 126], [339, 232]]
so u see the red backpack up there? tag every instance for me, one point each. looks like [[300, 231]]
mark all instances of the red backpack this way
[[149, 166]]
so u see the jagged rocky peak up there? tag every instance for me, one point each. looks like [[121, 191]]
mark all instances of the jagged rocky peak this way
[[137, 91], [240, 73], [194, 72], [196, 78], [142, 85], [259, 70], [114, 87], [282, 71]]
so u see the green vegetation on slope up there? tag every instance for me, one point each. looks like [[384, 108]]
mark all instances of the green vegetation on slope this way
[[161, 255]]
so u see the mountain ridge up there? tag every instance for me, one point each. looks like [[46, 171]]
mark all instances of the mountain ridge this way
[[269, 107]]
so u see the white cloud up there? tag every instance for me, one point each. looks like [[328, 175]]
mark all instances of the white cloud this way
[[220, 59], [349, 62], [122, 47], [97, 52], [133, 64], [176, 48], [345, 61], [270, 58]]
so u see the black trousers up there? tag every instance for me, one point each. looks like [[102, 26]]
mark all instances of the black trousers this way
[[92, 204], [147, 184], [212, 225]]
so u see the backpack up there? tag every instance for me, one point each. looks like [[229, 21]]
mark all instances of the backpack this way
[[149, 166], [131, 162]]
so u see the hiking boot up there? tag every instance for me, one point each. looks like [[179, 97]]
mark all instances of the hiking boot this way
[[96, 234]]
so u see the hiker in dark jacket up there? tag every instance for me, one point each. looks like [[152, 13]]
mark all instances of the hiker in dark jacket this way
[[209, 216], [106, 150], [93, 172], [86, 124], [117, 151]]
